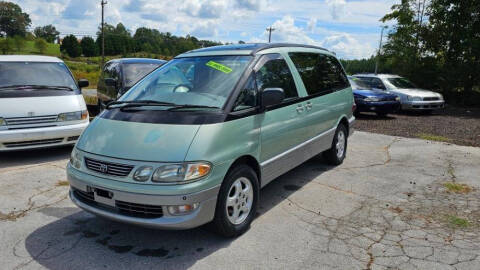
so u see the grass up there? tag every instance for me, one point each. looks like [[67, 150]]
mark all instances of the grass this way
[[431, 137], [457, 188], [84, 70], [458, 222], [29, 48]]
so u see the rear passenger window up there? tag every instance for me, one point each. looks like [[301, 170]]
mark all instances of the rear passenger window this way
[[276, 74], [321, 74]]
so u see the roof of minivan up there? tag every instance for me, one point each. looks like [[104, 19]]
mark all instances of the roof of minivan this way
[[29, 58], [377, 75], [138, 60], [243, 49]]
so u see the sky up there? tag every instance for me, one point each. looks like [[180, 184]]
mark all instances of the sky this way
[[349, 28]]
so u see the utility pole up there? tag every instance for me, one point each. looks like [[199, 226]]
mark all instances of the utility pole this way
[[379, 48], [270, 30], [103, 3]]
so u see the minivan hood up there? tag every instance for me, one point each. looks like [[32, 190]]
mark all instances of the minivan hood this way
[[40, 106], [416, 92], [137, 141]]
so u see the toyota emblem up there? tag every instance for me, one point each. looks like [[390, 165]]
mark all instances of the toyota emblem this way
[[103, 168]]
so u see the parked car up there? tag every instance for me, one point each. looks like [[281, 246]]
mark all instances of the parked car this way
[[373, 100], [195, 140], [41, 105], [411, 97], [119, 75]]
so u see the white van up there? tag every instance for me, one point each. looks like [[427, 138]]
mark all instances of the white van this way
[[41, 105]]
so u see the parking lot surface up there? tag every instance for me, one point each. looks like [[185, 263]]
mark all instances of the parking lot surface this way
[[387, 206]]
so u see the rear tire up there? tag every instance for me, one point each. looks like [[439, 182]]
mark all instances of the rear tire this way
[[237, 202], [336, 154]]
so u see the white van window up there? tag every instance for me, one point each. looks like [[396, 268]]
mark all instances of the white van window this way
[[15, 74]]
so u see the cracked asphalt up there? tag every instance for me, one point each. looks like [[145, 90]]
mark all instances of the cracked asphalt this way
[[386, 207]]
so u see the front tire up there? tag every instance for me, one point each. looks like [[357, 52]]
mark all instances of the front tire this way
[[237, 202], [336, 154]]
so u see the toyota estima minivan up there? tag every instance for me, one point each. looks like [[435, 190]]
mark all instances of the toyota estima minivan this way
[[195, 140], [40, 103]]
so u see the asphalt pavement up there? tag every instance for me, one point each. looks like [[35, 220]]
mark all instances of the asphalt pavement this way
[[386, 207]]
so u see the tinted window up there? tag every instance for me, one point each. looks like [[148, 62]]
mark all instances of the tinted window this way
[[248, 96], [321, 74], [134, 72], [276, 74]]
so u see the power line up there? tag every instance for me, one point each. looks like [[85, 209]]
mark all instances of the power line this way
[[270, 30]]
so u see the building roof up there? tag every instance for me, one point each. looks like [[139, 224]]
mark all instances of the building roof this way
[[138, 60], [29, 58], [243, 49]]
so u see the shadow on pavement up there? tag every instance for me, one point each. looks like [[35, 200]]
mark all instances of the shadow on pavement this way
[[34, 156], [78, 240]]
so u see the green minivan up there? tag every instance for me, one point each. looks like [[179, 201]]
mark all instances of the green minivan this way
[[195, 140]]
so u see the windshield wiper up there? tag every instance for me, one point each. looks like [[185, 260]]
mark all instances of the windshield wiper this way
[[33, 86], [138, 103], [191, 106]]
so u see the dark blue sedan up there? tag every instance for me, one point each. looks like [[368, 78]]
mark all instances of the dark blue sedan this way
[[369, 99]]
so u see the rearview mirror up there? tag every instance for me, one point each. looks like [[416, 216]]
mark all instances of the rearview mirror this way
[[111, 82], [272, 96], [83, 83]]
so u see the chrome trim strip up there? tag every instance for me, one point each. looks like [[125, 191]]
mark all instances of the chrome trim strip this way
[[268, 161]]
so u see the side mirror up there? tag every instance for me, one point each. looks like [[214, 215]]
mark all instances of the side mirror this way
[[111, 82], [83, 83], [272, 96]]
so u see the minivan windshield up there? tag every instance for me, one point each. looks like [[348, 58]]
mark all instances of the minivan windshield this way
[[200, 81], [401, 83], [33, 74], [133, 72]]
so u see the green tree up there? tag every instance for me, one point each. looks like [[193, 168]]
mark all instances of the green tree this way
[[6, 45], [41, 45], [454, 37], [47, 32], [71, 46], [19, 42], [12, 20], [89, 48]]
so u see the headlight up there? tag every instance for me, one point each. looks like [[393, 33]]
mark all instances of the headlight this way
[[414, 98], [73, 116], [440, 96], [75, 159], [370, 99], [181, 172], [142, 174]]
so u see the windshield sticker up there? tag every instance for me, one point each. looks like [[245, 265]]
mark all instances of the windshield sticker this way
[[219, 67]]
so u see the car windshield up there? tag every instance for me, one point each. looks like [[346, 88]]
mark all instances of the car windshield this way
[[358, 84], [401, 83], [135, 71], [203, 81], [35, 73]]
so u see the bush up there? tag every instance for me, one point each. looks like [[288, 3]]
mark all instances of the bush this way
[[41, 45]]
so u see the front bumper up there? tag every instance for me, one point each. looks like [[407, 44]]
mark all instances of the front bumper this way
[[422, 105], [379, 106], [204, 213], [19, 139]]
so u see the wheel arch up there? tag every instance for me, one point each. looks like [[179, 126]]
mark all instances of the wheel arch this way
[[343, 120], [251, 162]]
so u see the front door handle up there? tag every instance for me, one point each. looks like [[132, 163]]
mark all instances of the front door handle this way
[[308, 106], [300, 108]]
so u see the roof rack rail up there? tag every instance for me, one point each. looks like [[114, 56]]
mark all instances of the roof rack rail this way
[[278, 45]]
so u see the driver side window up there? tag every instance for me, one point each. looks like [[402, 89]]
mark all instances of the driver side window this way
[[276, 74], [248, 96]]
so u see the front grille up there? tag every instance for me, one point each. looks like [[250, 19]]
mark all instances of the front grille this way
[[139, 210], [37, 121], [430, 98], [388, 99], [73, 138], [109, 168], [32, 143], [124, 208]]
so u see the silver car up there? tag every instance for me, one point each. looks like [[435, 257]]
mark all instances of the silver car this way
[[411, 97]]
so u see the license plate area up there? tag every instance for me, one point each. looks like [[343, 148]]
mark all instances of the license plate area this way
[[104, 196]]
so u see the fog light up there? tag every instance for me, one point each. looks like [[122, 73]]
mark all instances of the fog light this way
[[182, 209]]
